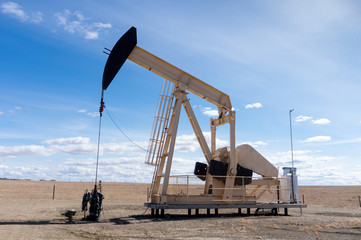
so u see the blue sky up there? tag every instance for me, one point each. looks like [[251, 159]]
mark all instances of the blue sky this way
[[268, 56]]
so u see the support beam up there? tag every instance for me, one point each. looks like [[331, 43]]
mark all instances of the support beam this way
[[213, 138], [177, 76], [220, 121], [232, 166], [197, 130], [232, 134], [177, 108]]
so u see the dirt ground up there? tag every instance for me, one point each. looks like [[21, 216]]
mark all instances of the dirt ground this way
[[29, 212]]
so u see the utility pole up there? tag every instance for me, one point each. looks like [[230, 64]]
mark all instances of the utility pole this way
[[293, 170]]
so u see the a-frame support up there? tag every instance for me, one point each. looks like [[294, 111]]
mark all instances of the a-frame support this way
[[169, 145]]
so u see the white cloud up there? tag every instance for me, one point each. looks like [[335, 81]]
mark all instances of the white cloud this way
[[93, 114], [302, 157], [1, 113], [124, 147], [15, 10], [75, 149], [125, 169], [321, 121], [75, 22], [27, 150], [314, 168], [72, 146], [325, 158], [302, 118], [318, 139], [186, 143], [33, 172], [130, 167], [219, 142], [91, 34], [253, 105], [102, 25], [189, 143], [209, 112], [73, 140]]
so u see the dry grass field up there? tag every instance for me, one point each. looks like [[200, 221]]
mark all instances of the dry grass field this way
[[29, 212]]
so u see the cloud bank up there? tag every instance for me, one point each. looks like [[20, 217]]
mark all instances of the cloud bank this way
[[15, 10], [72, 22], [77, 23]]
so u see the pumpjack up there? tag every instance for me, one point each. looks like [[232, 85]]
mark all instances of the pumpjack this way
[[227, 172]]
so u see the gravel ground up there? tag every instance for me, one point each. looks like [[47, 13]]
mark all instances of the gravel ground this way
[[30, 213]]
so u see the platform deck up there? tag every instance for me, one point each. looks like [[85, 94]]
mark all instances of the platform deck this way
[[220, 206]]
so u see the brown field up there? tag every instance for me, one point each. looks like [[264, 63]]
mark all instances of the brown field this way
[[31, 213]]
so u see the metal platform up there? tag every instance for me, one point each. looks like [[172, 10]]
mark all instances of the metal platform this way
[[219, 206], [258, 206]]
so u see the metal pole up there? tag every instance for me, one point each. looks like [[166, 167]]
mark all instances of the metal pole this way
[[100, 126], [291, 136], [292, 171]]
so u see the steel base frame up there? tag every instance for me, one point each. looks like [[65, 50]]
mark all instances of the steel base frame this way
[[155, 207]]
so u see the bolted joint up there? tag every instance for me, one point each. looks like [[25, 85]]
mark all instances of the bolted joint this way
[[233, 171]]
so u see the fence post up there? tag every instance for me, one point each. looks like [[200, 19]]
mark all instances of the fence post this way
[[187, 185], [53, 192], [359, 200]]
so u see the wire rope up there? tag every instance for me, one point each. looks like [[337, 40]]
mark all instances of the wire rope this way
[[111, 118]]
